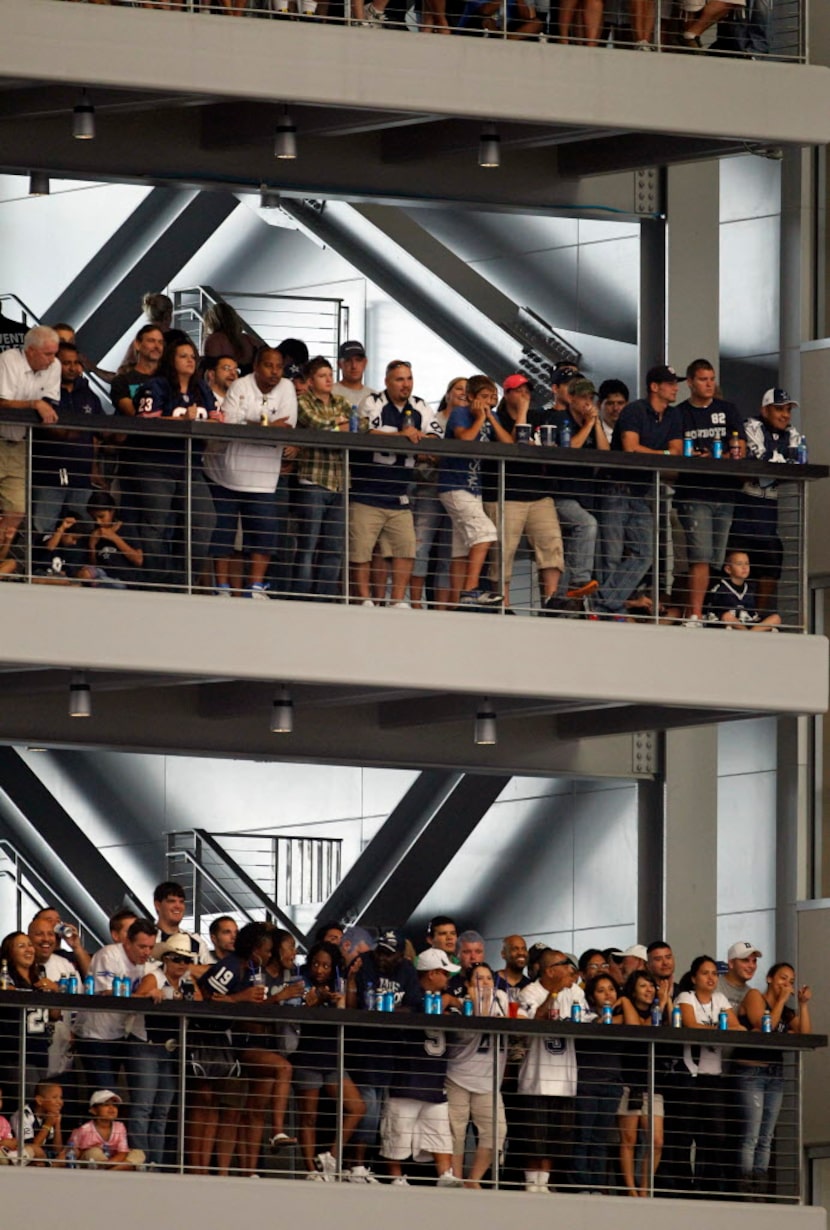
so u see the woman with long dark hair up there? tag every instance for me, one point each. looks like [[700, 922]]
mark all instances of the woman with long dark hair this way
[[634, 1111]]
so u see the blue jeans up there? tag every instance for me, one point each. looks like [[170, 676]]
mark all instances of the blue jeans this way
[[321, 534], [762, 1092], [162, 494], [624, 549], [596, 1122], [579, 540], [143, 1065]]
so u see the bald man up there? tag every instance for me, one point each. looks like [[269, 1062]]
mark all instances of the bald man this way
[[514, 955]]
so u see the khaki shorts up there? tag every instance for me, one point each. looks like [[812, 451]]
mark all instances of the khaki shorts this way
[[367, 523], [470, 523], [13, 476], [465, 1106], [536, 519], [413, 1128]]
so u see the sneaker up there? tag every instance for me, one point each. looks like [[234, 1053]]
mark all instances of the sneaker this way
[[560, 606], [469, 597], [328, 1166], [643, 45], [694, 621], [375, 15], [367, 602], [401, 606], [400, 1181], [488, 598], [316, 1177], [582, 591], [223, 591], [361, 1174], [448, 1179], [690, 42], [281, 1139], [259, 590]]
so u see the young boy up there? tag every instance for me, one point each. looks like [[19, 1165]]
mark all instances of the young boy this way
[[459, 490], [59, 558], [103, 1140], [731, 602], [42, 1135], [113, 559]]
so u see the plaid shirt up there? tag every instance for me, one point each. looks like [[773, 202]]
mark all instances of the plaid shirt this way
[[321, 466]]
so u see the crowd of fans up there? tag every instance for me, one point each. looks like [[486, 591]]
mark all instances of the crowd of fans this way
[[561, 1110], [742, 28], [249, 518]]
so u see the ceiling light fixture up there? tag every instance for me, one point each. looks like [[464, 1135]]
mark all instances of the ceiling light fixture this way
[[282, 713], [83, 119], [489, 147], [285, 142], [485, 733], [38, 183], [80, 696]]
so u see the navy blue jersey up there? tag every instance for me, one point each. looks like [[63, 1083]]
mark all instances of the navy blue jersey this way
[[503, 985], [58, 462], [61, 561], [110, 557], [227, 977], [381, 478], [420, 1065], [725, 597], [158, 399], [703, 425], [372, 1052]]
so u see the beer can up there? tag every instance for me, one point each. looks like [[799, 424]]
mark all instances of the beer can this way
[[676, 1018], [467, 1007], [73, 984], [607, 1014], [63, 985], [717, 449], [389, 1001], [89, 984], [379, 997], [766, 1023], [576, 1014], [688, 447], [723, 1020]]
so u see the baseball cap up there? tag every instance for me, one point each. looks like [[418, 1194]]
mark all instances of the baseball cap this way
[[179, 944], [535, 951], [742, 950], [637, 950], [390, 940], [293, 372], [571, 960], [661, 374], [103, 1095], [351, 350], [580, 387], [515, 381], [778, 397], [433, 958], [561, 373], [358, 935]]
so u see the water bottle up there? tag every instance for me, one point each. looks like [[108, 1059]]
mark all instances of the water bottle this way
[[766, 1023], [5, 977], [407, 418], [71, 1158], [369, 997], [656, 1014], [565, 434], [676, 1018], [354, 421], [802, 454]]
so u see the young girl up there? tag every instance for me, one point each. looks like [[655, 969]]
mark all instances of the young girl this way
[[103, 1140]]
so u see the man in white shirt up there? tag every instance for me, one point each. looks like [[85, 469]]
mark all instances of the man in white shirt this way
[[548, 1075], [30, 379], [45, 940], [244, 476], [110, 1041]]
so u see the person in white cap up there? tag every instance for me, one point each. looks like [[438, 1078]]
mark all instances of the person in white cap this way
[[634, 958], [742, 960], [103, 1140]]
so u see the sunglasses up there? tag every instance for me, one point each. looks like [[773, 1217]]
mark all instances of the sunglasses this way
[[171, 956]]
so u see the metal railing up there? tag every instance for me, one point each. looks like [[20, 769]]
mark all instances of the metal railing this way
[[257, 875], [612, 535], [560, 1106], [321, 321], [753, 29], [32, 893]]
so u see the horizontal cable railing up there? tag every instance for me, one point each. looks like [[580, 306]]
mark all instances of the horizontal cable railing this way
[[287, 1085], [754, 29], [378, 519]]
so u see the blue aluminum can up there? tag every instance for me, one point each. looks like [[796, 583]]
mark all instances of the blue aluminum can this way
[[116, 986], [576, 1014], [467, 1007], [766, 1023], [717, 449], [73, 984], [89, 984], [688, 447], [389, 1001], [723, 1020], [676, 1018], [63, 985], [379, 998], [607, 1014]]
